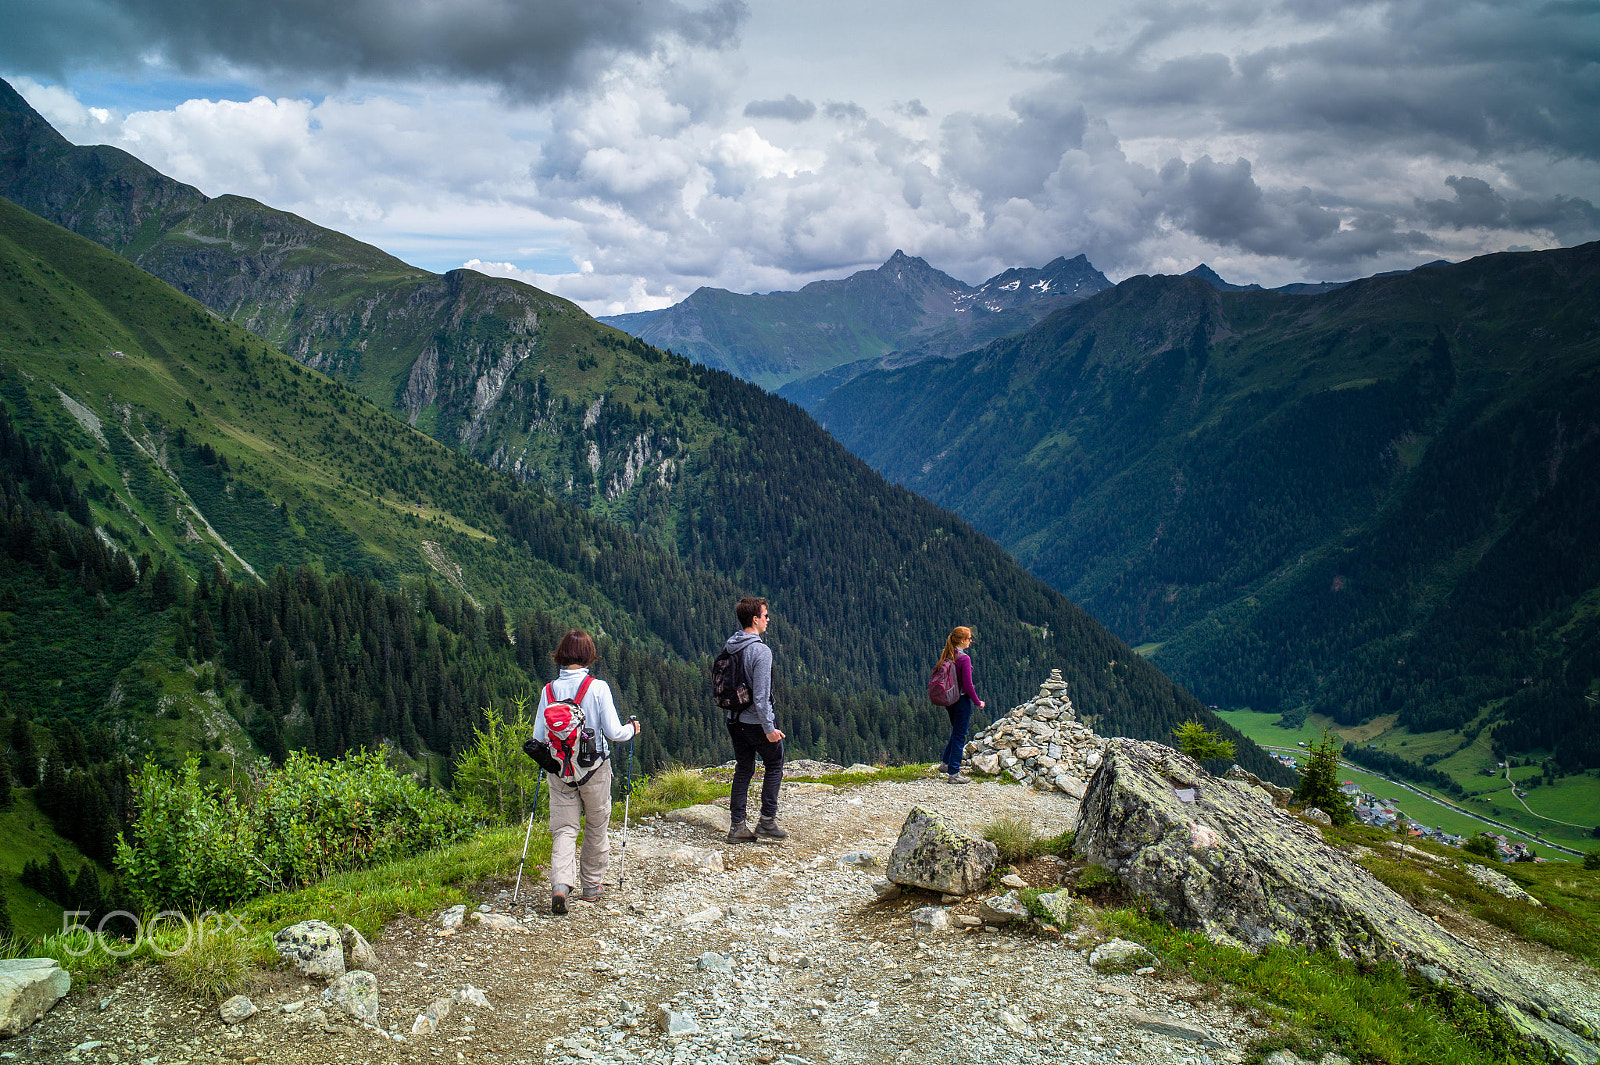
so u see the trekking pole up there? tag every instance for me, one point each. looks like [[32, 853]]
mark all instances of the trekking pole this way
[[627, 801], [527, 836]]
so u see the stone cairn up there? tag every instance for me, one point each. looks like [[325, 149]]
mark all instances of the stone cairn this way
[[1040, 743]]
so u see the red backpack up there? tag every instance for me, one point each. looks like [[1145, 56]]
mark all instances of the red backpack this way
[[572, 747], [942, 686]]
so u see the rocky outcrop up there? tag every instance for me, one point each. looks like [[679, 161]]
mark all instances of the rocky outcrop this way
[[1041, 743], [1277, 794], [28, 988], [934, 855], [1208, 854]]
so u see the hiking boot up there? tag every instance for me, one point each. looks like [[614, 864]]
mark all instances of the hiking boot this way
[[592, 894], [558, 903], [741, 833], [767, 828], [959, 778]]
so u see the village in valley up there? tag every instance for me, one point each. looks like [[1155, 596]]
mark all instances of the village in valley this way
[[1385, 813]]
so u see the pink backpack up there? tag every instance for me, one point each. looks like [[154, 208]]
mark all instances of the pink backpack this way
[[942, 686]]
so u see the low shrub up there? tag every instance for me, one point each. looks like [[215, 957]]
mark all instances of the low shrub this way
[[196, 846]]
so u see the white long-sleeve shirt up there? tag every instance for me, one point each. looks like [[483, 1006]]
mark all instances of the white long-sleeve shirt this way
[[598, 708]]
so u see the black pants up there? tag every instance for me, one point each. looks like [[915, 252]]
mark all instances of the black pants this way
[[749, 741]]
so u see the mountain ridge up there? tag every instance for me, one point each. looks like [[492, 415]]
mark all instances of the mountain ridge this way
[[1285, 494], [903, 310]]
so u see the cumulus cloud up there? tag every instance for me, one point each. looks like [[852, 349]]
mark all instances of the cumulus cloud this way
[[791, 109], [531, 49]]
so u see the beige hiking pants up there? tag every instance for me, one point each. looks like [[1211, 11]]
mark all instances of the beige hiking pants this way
[[592, 803]]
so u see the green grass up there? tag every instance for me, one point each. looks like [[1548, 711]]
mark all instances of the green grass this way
[[1371, 1014], [27, 835], [367, 899], [1263, 729], [1566, 919]]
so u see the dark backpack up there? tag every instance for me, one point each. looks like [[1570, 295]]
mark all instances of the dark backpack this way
[[943, 688], [569, 750], [730, 685]]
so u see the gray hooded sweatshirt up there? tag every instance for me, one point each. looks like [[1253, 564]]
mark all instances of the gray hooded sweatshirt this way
[[757, 658]]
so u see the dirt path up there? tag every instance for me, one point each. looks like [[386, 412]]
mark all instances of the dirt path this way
[[782, 955]]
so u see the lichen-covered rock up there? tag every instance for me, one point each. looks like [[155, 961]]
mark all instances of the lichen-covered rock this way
[[356, 993], [1499, 883], [1120, 955], [1061, 907], [313, 947], [1277, 793], [357, 949], [934, 855], [28, 988], [1251, 875]]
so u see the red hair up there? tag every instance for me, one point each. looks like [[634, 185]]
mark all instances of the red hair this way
[[959, 634]]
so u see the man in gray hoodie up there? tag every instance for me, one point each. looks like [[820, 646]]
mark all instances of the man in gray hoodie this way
[[753, 729]]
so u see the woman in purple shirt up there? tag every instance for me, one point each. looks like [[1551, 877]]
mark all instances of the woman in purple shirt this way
[[961, 710]]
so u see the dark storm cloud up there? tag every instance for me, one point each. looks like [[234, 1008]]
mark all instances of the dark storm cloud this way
[[1478, 205], [1221, 203], [1483, 76], [529, 48], [791, 109]]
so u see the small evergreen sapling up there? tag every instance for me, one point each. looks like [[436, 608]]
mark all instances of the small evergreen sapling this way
[[1319, 781], [1201, 744]]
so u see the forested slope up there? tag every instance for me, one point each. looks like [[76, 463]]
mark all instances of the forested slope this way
[[199, 444]]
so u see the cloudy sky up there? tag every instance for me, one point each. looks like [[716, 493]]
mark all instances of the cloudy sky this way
[[624, 152]]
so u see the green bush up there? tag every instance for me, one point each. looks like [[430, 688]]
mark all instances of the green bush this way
[[1592, 860], [195, 845], [1319, 781], [192, 844], [320, 817]]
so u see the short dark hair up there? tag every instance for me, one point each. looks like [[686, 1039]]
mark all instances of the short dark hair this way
[[575, 649], [749, 609]]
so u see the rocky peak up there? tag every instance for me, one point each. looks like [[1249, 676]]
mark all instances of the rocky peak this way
[[1212, 278]]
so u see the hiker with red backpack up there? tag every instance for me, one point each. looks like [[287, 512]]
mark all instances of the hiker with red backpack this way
[[572, 732], [741, 684], [951, 687]]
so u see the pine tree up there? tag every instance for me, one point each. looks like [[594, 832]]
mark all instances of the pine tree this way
[[1319, 781], [58, 887], [27, 756], [5, 782]]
